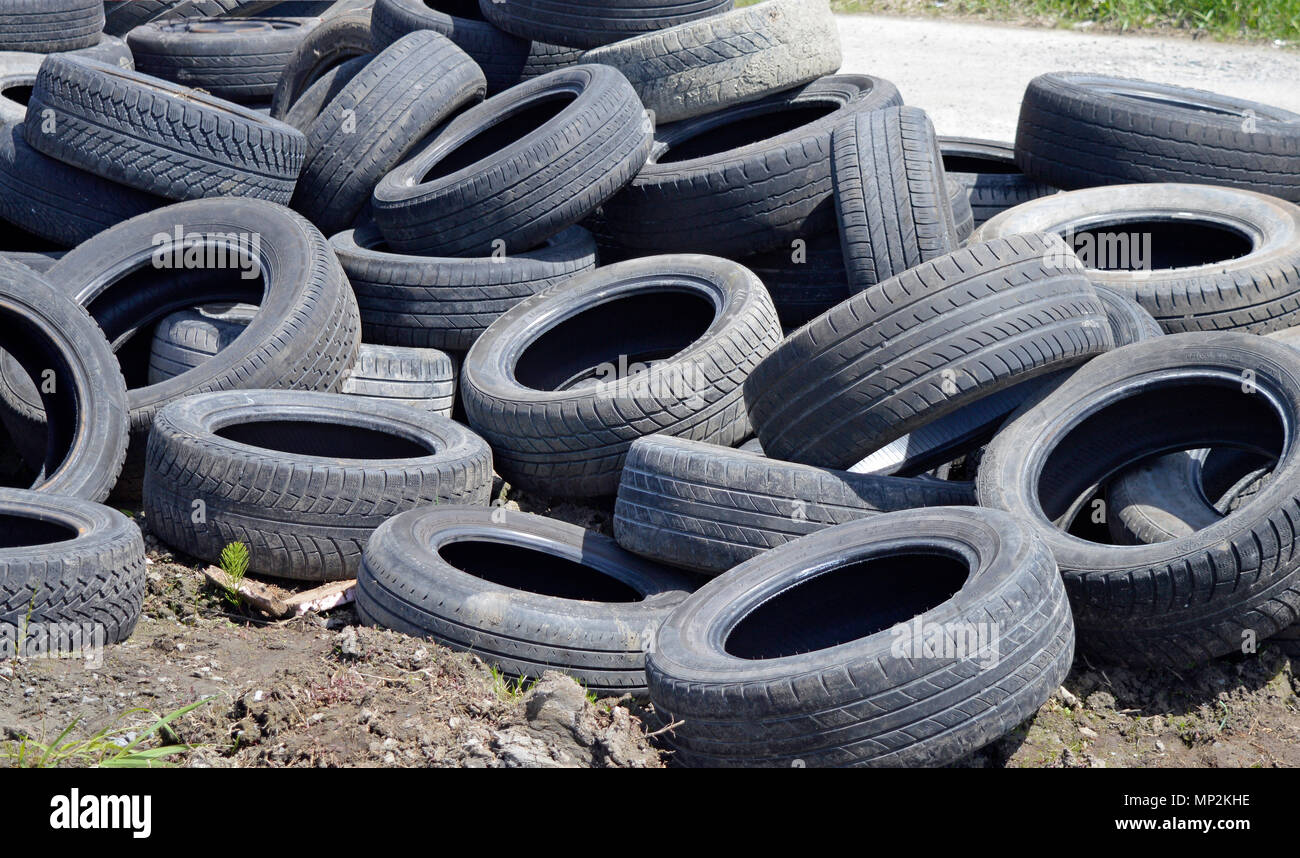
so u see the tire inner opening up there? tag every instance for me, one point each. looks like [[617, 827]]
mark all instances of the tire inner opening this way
[[535, 571], [847, 603], [328, 440], [1157, 245], [613, 340], [21, 93], [980, 164], [505, 131], [20, 531], [747, 130], [39, 376]]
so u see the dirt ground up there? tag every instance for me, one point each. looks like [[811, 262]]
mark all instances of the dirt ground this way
[[324, 691]]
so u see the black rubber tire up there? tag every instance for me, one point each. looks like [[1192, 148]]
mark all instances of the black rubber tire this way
[[48, 26], [66, 560], [109, 49], [49, 338], [760, 195], [1084, 130], [782, 694], [305, 338], [317, 96], [447, 303], [334, 42], [38, 262], [537, 384], [108, 121], [419, 378], [17, 75], [891, 202], [382, 114], [306, 505], [703, 66], [122, 16], [240, 59], [1185, 600], [589, 23], [60, 203], [505, 59], [987, 173], [502, 611], [1258, 291], [923, 345], [536, 179], [708, 508], [963, 216], [805, 279]]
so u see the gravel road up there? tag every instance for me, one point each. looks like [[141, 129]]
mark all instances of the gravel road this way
[[970, 77]]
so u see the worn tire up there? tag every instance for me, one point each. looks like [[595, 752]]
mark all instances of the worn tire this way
[[589, 23], [448, 302], [891, 201], [523, 610], [708, 508], [710, 187], [987, 174], [1181, 601], [49, 26], [1084, 130], [122, 16], [537, 382], [1231, 260], [785, 694], [922, 345], [69, 561], [720, 61], [545, 171], [326, 47], [109, 121], [382, 114], [318, 96], [304, 502]]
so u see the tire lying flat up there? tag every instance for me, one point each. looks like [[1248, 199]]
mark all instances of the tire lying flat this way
[[525, 593], [986, 172], [301, 478], [791, 660], [47, 26], [588, 23]]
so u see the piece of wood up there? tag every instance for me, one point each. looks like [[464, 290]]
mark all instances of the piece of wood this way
[[255, 593], [324, 598]]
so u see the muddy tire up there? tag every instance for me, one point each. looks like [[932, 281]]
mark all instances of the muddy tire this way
[[1165, 603], [742, 180], [301, 478], [382, 114], [823, 682], [49, 338], [448, 302], [105, 121], [66, 560], [1231, 261], [525, 593], [723, 60], [553, 386], [1083, 130], [916, 348], [708, 508]]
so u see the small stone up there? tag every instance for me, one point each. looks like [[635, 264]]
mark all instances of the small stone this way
[[1067, 697], [1087, 732], [349, 644], [1101, 700]]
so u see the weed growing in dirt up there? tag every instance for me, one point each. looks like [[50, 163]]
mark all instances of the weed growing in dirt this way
[[234, 562], [109, 748], [508, 688]]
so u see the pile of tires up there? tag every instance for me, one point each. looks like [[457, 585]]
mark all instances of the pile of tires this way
[[886, 421]]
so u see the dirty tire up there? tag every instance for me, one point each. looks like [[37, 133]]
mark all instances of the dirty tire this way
[[48, 26], [783, 695], [986, 172], [717, 62], [555, 168], [922, 345], [1083, 130], [709, 187], [240, 59], [448, 302], [963, 217], [327, 46], [1181, 601], [537, 382], [519, 605], [891, 202], [67, 560], [382, 114], [708, 508], [1239, 270], [107, 122], [122, 16], [56, 201], [589, 23], [48, 337], [804, 280], [323, 91], [306, 505], [418, 378], [188, 338]]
